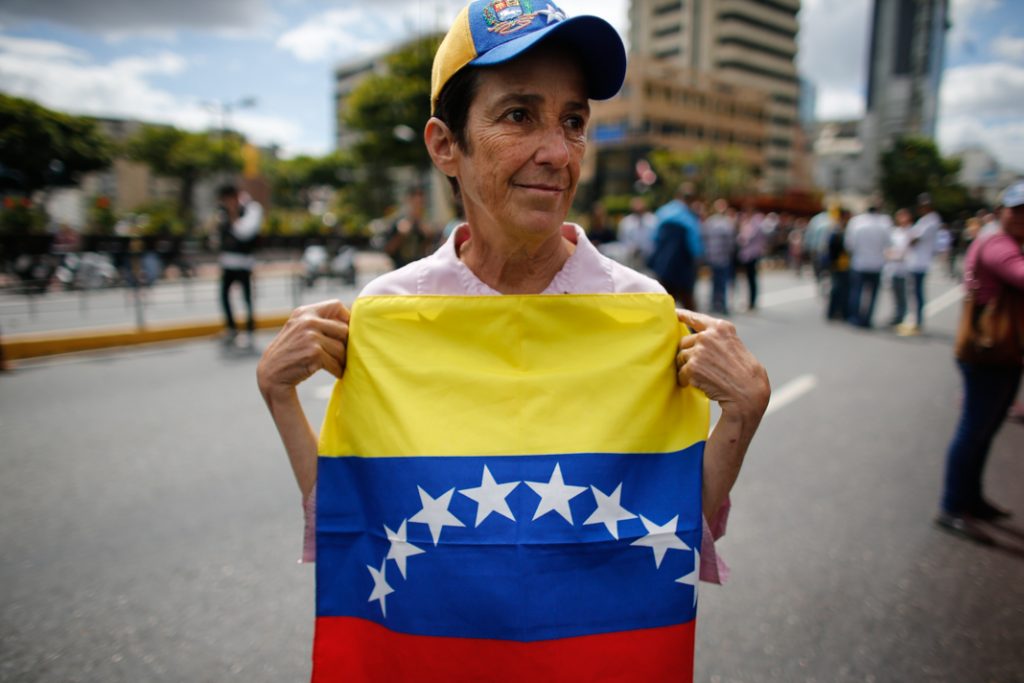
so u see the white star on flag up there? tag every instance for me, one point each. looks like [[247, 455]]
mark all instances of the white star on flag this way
[[381, 589], [435, 513], [555, 495], [490, 497], [693, 578], [661, 539], [609, 511], [551, 13], [400, 548]]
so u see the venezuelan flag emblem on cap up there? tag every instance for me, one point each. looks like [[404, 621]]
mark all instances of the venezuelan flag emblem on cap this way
[[494, 32], [509, 489]]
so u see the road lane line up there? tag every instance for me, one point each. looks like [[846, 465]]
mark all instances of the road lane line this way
[[944, 301], [791, 391], [788, 296]]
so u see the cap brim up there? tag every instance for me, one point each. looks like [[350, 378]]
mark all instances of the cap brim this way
[[601, 51]]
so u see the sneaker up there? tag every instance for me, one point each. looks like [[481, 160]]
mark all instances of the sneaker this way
[[987, 512], [908, 330], [963, 527]]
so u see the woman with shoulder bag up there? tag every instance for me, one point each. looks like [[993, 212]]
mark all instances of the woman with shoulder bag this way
[[989, 347]]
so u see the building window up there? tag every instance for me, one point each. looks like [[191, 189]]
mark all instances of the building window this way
[[668, 8], [665, 54], [668, 30], [758, 71], [788, 55], [756, 23]]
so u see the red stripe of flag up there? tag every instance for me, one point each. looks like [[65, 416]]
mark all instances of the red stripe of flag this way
[[352, 650]]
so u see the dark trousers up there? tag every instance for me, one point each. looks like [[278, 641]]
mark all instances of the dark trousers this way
[[720, 276], [863, 282], [988, 393], [750, 268], [839, 295], [918, 298], [230, 276], [899, 295]]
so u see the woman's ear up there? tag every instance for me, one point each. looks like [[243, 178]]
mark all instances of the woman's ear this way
[[441, 145]]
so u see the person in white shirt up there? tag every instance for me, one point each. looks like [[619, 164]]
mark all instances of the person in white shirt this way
[[636, 232], [895, 270], [923, 242], [238, 225], [867, 239]]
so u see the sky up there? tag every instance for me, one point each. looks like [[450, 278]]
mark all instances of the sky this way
[[265, 67]]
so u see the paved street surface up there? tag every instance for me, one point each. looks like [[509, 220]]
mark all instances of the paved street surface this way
[[150, 526]]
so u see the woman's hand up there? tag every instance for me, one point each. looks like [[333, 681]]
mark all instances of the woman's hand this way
[[312, 339], [714, 360]]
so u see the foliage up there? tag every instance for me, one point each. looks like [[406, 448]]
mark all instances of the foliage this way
[[186, 156], [160, 217], [41, 148], [388, 111], [291, 179], [101, 218], [714, 173], [19, 216], [913, 165]]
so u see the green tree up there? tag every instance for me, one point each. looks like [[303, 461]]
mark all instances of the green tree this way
[[388, 111], [41, 148], [290, 179], [714, 173], [186, 156], [913, 165]]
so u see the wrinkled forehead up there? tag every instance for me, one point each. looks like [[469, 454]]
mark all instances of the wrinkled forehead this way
[[553, 72]]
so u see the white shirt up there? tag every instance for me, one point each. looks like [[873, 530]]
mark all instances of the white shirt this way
[[867, 238], [922, 251]]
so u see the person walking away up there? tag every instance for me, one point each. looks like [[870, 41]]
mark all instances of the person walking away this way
[[993, 267], [677, 248], [895, 270], [923, 237], [751, 242], [816, 238], [719, 233], [838, 263], [867, 239], [238, 225], [636, 232], [599, 228], [407, 239]]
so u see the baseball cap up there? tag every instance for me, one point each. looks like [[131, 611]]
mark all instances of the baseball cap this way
[[492, 32], [1013, 195]]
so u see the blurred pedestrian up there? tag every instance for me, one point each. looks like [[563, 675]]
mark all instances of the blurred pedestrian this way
[[599, 228], [895, 270], [819, 228], [993, 267], [517, 174], [409, 237], [867, 238], [636, 233], [719, 232], [677, 247], [239, 218], [838, 269], [752, 243], [923, 238]]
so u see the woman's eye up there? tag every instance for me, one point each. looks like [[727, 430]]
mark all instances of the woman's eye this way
[[516, 115]]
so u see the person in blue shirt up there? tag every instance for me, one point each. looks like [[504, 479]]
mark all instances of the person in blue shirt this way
[[678, 248]]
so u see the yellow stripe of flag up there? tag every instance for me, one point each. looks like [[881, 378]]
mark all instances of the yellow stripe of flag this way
[[512, 375]]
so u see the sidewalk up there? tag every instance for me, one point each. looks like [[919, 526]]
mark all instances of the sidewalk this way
[[64, 322]]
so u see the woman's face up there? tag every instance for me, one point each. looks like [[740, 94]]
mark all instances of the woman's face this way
[[1012, 219], [526, 135]]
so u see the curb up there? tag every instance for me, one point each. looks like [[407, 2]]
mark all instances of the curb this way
[[35, 345]]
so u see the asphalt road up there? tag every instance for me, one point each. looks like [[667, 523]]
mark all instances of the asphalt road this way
[[150, 526]]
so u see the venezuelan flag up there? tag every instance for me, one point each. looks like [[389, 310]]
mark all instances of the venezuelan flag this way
[[509, 490]]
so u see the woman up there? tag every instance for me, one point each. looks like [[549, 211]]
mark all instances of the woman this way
[[994, 265]]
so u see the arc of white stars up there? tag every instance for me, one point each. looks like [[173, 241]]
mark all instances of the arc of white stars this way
[[693, 578], [490, 497], [400, 548], [661, 539], [555, 495], [435, 513], [381, 589], [609, 510], [553, 15]]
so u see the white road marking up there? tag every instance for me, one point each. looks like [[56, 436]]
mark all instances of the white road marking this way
[[791, 391], [943, 302], [787, 296]]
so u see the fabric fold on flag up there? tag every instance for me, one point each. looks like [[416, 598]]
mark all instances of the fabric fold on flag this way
[[509, 487]]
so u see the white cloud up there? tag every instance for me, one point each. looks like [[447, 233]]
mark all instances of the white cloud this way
[[66, 79], [983, 90], [118, 16], [1003, 140], [962, 14], [1009, 47], [833, 47]]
